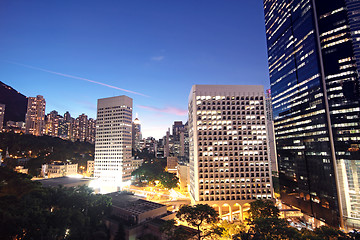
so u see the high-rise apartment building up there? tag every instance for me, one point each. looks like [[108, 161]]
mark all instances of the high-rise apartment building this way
[[2, 113], [313, 49], [92, 130], [229, 160], [52, 124], [35, 116], [81, 124], [113, 142], [63, 129]]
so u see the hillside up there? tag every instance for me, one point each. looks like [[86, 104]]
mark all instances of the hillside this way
[[44, 149], [15, 103]]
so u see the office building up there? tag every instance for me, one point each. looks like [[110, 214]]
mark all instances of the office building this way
[[179, 140], [35, 116], [313, 50], [229, 160], [2, 113], [271, 133], [113, 142], [136, 134]]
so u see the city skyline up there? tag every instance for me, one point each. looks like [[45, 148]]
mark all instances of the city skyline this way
[[73, 54]]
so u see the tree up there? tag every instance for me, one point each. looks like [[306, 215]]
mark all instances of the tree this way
[[174, 232], [263, 209], [29, 211], [199, 216], [231, 230], [266, 224], [154, 170], [328, 233], [168, 180]]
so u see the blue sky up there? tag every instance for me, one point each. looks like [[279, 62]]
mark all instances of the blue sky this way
[[74, 52]]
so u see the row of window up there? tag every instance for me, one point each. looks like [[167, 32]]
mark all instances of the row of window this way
[[227, 175], [206, 170], [229, 98], [223, 198], [242, 159], [231, 149]]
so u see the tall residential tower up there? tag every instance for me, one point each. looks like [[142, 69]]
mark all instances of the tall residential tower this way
[[35, 116], [112, 164], [313, 49]]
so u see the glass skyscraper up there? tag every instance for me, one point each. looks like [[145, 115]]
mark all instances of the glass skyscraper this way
[[314, 59]]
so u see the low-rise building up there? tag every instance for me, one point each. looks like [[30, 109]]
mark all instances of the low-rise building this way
[[136, 163], [65, 182], [58, 169], [183, 173], [172, 163], [90, 167], [21, 169], [136, 216]]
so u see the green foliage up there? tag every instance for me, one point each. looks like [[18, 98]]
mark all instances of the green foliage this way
[[154, 170], [200, 216], [263, 209], [144, 154], [328, 233], [174, 232], [228, 229], [29, 211], [149, 171], [44, 149], [264, 224], [168, 180]]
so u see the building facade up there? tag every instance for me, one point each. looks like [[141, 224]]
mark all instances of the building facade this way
[[52, 124], [229, 160], [271, 133], [313, 49], [35, 116], [58, 169], [136, 134], [113, 142]]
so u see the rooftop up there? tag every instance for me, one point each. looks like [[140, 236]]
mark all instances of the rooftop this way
[[132, 204], [64, 181]]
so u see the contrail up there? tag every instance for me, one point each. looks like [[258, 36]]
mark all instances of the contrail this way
[[75, 77]]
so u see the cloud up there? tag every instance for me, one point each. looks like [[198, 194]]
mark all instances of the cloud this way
[[158, 58], [168, 110], [79, 78]]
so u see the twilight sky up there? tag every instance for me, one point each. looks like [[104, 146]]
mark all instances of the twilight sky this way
[[74, 52]]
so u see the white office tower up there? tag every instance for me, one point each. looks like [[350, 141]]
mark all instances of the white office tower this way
[[229, 159], [113, 141]]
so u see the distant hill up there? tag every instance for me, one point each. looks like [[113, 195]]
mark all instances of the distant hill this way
[[15, 103]]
